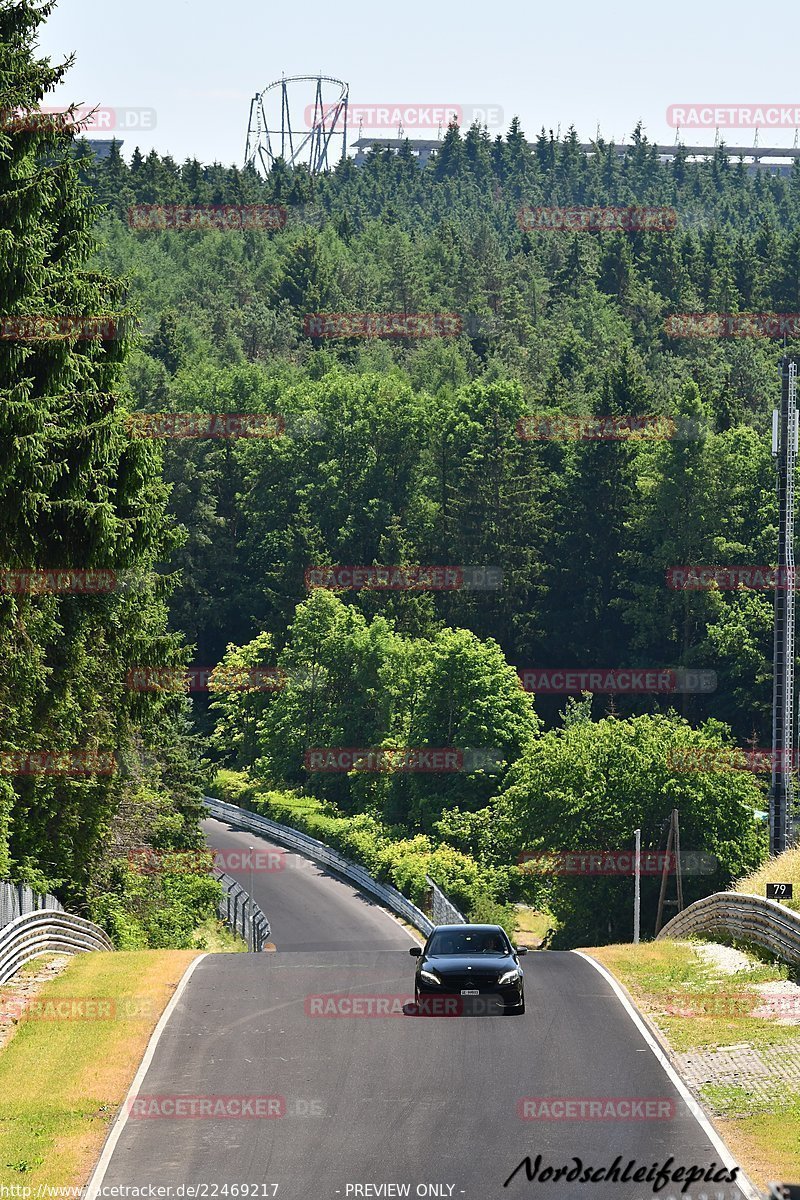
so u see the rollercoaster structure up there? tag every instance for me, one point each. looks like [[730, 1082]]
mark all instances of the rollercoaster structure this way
[[301, 120]]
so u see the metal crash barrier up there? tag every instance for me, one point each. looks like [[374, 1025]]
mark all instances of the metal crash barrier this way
[[46, 932], [293, 839], [763, 923]]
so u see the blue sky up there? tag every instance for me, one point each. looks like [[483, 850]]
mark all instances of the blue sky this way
[[198, 62]]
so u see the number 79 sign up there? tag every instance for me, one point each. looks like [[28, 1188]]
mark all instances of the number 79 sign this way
[[779, 891]]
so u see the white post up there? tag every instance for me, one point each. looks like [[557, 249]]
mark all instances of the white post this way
[[637, 876]]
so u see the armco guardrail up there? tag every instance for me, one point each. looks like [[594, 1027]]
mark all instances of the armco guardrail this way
[[241, 913], [46, 932], [293, 839], [17, 899], [745, 918]]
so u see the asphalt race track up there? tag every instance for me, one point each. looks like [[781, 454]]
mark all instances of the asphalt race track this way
[[307, 909], [427, 1105]]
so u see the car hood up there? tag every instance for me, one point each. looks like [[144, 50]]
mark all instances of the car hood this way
[[459, 964]]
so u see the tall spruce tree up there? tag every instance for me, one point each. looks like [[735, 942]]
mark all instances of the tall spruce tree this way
[[77, 492]]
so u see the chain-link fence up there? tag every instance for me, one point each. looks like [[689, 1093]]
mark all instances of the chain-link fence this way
[[241, 913], [441, 910], [17, 900]]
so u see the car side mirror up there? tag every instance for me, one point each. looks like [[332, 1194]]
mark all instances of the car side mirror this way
[[521, 949], [416, 951]]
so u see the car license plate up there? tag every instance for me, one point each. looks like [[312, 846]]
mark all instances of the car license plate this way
[[470, 992]]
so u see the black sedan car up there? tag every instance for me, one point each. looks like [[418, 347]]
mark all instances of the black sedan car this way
[[470, 968]]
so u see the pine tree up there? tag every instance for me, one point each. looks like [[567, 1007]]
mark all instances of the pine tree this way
[[76, 491]]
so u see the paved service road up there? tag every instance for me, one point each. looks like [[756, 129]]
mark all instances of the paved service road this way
[[423, 1103]]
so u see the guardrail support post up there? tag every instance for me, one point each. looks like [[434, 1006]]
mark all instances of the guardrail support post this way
[[250, 898], [637, 885]]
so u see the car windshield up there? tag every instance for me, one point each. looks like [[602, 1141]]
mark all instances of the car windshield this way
[[474, 942]]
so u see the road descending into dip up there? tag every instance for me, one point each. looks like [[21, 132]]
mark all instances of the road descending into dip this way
[[297, 1074]]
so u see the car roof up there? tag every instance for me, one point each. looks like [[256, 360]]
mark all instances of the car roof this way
[[466, 925]]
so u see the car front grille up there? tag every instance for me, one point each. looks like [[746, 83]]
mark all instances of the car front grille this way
[[485, 981]]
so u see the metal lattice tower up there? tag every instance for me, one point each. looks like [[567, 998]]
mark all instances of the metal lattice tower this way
[[299, 120], [784, 447]]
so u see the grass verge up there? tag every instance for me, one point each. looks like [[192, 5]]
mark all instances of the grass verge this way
[[784, 868], [215, 938], [758, 1123], [62, 1078], [531, 926]]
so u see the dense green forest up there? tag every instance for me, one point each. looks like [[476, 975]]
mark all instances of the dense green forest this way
[[414, 454], [395, 450]]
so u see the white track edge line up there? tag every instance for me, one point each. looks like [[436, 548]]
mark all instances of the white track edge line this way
[[399, 921], [98, 1174], [742, 1182]]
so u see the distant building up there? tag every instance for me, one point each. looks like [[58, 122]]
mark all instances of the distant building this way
[[423, 148], [101, 147]]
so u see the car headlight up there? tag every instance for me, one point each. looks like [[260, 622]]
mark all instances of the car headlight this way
[[429, 976], [509, 976]]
